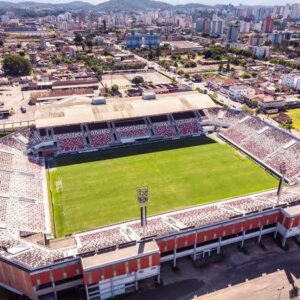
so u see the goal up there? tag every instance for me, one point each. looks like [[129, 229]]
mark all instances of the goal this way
[[59, 186]]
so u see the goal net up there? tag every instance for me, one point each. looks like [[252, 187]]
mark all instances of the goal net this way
[[59, 186]]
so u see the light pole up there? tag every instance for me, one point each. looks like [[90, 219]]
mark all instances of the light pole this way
[[281, 182], [142, 196]]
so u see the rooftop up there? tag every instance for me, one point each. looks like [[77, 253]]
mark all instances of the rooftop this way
[[70, 114], [118, 255]]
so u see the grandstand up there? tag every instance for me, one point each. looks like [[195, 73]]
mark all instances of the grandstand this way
[[112, 260]]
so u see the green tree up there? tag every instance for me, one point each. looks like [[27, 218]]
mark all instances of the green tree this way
[[78, 39], [220, 67], [228, 66], [158, 52], [246, 75], [16, 65], [114, 87], [138, 80], [286, 125], [150, 55], [89, 43]]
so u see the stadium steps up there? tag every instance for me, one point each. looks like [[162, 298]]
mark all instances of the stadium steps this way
[[93, 292], [197, 114], [86, 134], [149, 125], [112, 128], [50, 132], [173, 122]]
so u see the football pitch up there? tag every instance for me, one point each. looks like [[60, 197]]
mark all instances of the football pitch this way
[[96, 189], [295, 115]]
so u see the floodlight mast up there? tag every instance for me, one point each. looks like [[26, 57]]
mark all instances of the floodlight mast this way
[[281, 182], [142, 195]]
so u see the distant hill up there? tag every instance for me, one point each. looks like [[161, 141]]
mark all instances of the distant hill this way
[[111, 5], [46, 5], [129, 5]]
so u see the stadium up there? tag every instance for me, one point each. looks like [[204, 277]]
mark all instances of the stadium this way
[[70, 184]]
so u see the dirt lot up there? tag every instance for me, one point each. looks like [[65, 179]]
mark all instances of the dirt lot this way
[[154, 77], [110, 79], [269, 273]]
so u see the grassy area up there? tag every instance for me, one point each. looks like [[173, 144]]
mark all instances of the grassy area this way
[[100, 188], [295, 115], [212, 72]]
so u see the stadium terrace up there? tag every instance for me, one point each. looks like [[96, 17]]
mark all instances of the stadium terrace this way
[[113, 260]]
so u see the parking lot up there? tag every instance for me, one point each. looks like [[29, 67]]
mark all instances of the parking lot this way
[[13, 100]]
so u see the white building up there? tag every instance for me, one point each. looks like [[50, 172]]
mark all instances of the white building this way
[[237, 92], [261, 51], [291, 80], [217, 26], [295, 11], [244, 27]]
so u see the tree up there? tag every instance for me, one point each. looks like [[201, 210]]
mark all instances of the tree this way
[[247, 109], [138, 80], [286, 125], [246, 75], [220, 67], [158, 52], [16, 65], [228, 66], [208, 53], [150, 55], [78, 38], [89, 43], [114, 88]]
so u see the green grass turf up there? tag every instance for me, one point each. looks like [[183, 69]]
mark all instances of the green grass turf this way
[[295, 115], [178, 174]]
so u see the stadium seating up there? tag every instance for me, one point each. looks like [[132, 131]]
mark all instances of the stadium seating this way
[[287, 197], [101, 137], [164, 129], [248, 205], [267, 144], [4, 182], [32, 217], [101, 239], [68, 142], [3, 210], [133, 131], [154, 227], [203, 216], [26, 186], [6, 160], [37, 257], [188, 126], [14, 143], [291, 158]]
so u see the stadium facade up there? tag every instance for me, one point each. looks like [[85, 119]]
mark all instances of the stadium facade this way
[[114, 260]]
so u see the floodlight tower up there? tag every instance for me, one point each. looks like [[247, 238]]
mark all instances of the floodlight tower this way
[[281, 182], [142, 196]]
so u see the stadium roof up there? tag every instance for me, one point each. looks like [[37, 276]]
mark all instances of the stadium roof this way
[[71, 114]]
